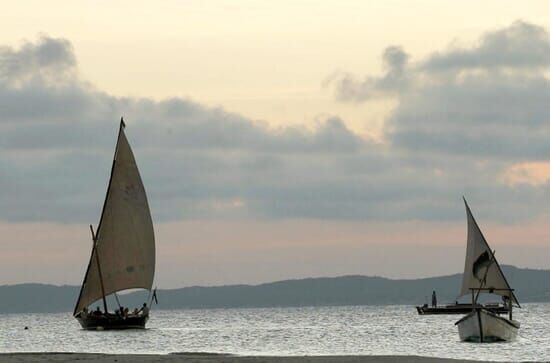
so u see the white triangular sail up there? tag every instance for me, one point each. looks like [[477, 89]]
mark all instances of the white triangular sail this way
[[481, 269], [125, 241]]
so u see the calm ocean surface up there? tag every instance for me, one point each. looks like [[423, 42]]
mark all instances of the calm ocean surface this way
[[395, 330]]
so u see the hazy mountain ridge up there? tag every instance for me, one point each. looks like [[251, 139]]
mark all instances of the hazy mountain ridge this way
[[531, 286]]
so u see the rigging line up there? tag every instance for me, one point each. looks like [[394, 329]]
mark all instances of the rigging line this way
[[117, 301], [149, 296], [154, 296]]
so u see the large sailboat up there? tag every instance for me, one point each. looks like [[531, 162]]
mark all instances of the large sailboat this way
[[482, 273], [123, 251]]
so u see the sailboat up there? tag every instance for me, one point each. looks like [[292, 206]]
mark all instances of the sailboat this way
[[123, 251], [482, 273]]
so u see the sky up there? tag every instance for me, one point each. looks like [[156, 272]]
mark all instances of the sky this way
[[277, 140]]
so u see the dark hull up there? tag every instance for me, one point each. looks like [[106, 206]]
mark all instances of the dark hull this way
[[112, 322], [458, 309]]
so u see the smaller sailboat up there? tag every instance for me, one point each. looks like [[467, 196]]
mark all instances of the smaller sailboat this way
[[459, 308], [123, 252], [482, 273]]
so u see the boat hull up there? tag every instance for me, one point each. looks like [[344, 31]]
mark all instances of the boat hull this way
[[458, 309], [112, 322], [484, 326]]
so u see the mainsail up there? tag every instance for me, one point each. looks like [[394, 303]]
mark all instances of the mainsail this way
[[124, 240], [481, 269]]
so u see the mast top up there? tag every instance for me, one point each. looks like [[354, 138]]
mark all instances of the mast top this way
[[122, 124]]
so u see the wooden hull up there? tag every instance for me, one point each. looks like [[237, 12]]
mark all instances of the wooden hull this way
[[458, 309], [484, 326], [112, 322]]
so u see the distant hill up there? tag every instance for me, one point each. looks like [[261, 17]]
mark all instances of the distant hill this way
[[531, 286]]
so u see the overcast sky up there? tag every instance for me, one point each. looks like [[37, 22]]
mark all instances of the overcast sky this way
[[277, 140]]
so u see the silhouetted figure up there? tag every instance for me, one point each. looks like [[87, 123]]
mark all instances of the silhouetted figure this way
[[434, 299], [144, 309]]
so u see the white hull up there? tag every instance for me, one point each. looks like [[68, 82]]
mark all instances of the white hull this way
[[483, 326]]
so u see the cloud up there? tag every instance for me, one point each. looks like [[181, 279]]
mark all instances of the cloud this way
[[49, 59], [350, 89], [484, 101], [521, 45], [39, 83], [479, 116], [481, 109], [531, 173], [58, 132], [487, 101], [57, 135]]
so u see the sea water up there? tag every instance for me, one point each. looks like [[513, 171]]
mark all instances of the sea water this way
[[342, 330]]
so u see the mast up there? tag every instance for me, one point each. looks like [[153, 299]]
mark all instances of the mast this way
[[99, 270]]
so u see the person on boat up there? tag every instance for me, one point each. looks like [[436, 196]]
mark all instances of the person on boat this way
[[434, 299], [125, 313], [84, 313], [97, 311], [135, 312], [144, 310]]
